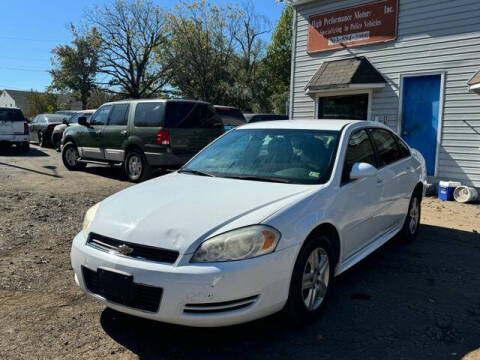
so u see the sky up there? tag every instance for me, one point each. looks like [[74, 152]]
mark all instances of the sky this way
[[30, 29]]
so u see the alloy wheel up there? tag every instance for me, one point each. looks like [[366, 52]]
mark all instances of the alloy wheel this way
[[71, 156], [414, 216], [315, 279], [135, 166]]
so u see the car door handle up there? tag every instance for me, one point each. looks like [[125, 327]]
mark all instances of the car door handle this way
[[379, 182], [123, 132]]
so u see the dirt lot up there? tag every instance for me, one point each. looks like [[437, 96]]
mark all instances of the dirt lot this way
[[417, 301]]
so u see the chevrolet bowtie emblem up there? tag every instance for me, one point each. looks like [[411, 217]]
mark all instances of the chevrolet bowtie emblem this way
[[124, 249]]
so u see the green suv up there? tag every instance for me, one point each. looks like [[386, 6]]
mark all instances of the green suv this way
[[141, 135]]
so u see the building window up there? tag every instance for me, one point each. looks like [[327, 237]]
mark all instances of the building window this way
[[351, 107]]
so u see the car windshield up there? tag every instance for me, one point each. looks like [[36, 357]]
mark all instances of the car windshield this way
[[277, 155]]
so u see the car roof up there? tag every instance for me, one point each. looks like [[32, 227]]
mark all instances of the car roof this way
[[129, 101], [335, 125]]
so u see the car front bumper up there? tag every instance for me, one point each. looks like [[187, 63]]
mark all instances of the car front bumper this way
[[265, 279]]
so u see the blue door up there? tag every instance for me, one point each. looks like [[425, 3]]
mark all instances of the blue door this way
[[421, 108]]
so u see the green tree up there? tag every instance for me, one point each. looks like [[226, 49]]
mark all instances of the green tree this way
[[75, 66], [199, 50], [130, 32], [278, 61], [39, 103]]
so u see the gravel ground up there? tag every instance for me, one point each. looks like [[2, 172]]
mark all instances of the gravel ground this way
[[417, 301]]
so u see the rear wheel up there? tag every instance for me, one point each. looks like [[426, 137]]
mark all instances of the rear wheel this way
[[71, 157], [412, 220], [136, 166], [25, 146], [311, 282]]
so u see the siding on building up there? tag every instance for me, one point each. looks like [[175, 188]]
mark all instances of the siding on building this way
[[433, 36]]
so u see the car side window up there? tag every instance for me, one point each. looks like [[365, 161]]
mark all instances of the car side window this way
[[387, 147], [149, 114], [183, 114], [404, 150], [118, 115], [359, 149], [101, 115], [210, 118]]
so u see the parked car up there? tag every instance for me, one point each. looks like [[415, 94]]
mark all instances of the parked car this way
[[141, 134], [42, 125], [57, 132], [251, 118], [259, 221], [13, 128], [231, 117]]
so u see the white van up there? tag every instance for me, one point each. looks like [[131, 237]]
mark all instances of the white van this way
[[13, 128]]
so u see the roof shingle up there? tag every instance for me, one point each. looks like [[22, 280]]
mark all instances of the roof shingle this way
[[339, 74]]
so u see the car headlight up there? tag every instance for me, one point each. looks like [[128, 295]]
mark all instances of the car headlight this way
[[239, 244], [89, 216]]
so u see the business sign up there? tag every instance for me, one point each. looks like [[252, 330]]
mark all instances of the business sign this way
[[365, 24]]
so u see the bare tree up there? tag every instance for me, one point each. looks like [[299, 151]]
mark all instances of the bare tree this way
[[130, 30], [248, 30]]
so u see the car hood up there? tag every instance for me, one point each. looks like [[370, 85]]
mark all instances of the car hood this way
[[178, 211]]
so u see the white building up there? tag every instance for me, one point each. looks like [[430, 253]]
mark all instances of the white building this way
[[408, 63]]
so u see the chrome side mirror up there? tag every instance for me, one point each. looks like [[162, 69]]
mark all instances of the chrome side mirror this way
[[362, 170]]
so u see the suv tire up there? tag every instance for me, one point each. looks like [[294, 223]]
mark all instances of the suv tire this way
[[300, 308], [136, 166], [24, 147], [70, 157]]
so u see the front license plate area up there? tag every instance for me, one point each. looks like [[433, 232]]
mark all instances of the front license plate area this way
[[117, 287]]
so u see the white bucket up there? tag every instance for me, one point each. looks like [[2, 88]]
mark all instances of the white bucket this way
[[464, 194]]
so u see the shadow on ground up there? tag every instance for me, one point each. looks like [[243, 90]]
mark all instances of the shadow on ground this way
[[405, 301], [13, 151], [116, 172]]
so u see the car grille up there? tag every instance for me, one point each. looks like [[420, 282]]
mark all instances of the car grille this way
[[143, 297], [218, 307], [138, 251]]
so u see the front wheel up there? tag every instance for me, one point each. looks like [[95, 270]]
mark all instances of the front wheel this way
[[311, 282], [412, 220], [41, 139], [71, 157], [136, 166]]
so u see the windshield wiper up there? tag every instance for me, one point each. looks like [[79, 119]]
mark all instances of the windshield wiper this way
[[258, 178], [196, 172]]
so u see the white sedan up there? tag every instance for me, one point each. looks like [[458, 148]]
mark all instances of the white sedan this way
[[261, 220]]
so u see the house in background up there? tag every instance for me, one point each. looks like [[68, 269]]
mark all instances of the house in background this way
[[19, 99], [406, 63]]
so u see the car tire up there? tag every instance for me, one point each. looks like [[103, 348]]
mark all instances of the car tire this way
[[412, 220], [41, 139], [136, 166], [25, 147], [310, 287], [70, 157]]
